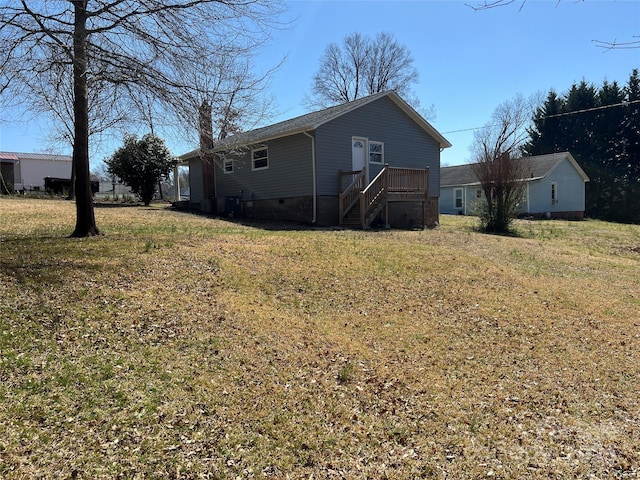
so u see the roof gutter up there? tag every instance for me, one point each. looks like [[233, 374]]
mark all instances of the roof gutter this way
[[313, 176]]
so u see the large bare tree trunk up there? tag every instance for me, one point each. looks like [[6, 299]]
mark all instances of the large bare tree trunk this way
[[85, 218], [81, 68]]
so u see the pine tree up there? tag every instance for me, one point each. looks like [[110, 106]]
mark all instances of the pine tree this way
[[631, 127], [580, 121], [546, 134], [609, 123], [629, 207], [601, 129]]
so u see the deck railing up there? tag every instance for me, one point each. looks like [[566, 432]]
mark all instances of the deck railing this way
[[409, 180], [391, 184]]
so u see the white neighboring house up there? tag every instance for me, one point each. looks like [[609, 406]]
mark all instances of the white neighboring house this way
[[26, 171], [555, 188]]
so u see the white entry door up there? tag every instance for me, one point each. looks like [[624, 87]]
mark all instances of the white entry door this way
[[359, 153]]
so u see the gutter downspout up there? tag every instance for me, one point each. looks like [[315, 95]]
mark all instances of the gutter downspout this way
[[313, 176]]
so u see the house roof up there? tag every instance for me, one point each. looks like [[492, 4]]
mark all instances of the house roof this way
[[541, 167], [17, 156], [8, 156], [312, 121]]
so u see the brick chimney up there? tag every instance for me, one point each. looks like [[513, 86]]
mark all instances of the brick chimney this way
[[205, 127]]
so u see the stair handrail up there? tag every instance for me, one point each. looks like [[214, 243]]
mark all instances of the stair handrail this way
[[371, 194], [351, 194]]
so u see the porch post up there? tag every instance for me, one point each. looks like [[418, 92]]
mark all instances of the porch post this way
[[386, 214], [386, 196], [425, 201], [176, 184]]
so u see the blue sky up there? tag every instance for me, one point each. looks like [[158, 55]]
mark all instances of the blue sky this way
[[469, 61]]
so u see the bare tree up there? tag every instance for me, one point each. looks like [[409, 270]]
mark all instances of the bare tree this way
[[499, 168], [235, 93], [616, 45], [54, 98], [363, 66], [390, 66], [486, 4], [229, 97], [52, 95], [124, 47], [606, 45]]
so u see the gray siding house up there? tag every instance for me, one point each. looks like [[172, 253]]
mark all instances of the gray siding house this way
[[555, 188], [371, 159]]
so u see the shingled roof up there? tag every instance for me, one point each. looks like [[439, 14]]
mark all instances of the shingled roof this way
[[312, 121], [541, 167]]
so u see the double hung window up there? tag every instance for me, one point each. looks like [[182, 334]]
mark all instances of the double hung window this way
[[376, 152], [259, 159], [458, 199]]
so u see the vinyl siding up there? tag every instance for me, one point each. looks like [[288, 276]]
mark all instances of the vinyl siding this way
[[447, 200], [289, 173], [405, 144], [570, 194], [570, 191]]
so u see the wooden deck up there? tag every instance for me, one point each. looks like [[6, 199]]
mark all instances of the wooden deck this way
[[361, 203]]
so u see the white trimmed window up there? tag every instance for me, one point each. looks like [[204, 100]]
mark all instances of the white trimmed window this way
[[479, 193], [554, 193], [376, 152], [457, 198], [259, 159], [227, 165]]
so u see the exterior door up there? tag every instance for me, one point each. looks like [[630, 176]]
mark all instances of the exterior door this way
[[358, 153]]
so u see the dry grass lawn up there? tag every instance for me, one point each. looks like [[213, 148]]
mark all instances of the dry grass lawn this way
[[179, 346]]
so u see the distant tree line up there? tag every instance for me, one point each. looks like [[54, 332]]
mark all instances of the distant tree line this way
[[601, 129]]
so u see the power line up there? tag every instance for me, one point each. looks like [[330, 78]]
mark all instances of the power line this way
[[588, 110], [574, 112], [467, 129]]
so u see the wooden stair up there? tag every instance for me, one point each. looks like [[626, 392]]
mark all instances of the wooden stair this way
[[360, 203], [352, 219]]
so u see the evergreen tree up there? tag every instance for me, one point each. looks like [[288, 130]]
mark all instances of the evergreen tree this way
[[601, 129], [141, 164], [580, 121], [546, 134], [601, 164], [609, 121], [631, 127], [629, 162]]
